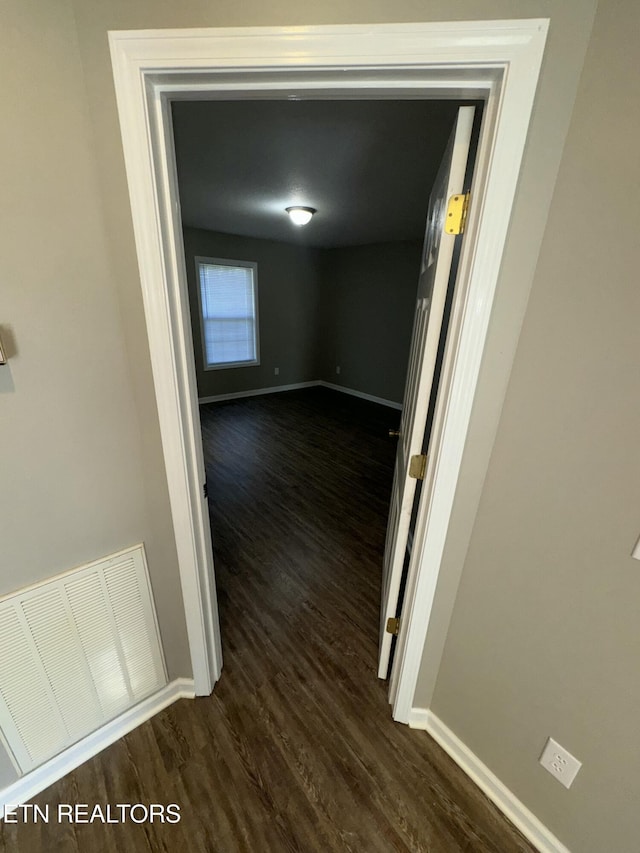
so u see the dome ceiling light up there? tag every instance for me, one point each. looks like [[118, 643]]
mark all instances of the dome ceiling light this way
[[300, 215]]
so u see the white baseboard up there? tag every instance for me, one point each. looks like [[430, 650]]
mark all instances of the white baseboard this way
[[275, 389], [256, 392], [25, 788], [390, 403], [528, 824]]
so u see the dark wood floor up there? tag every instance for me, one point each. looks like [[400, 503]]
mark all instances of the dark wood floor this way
[[295, 750]]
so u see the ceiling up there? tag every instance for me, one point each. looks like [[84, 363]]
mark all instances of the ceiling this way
[[366, 166]]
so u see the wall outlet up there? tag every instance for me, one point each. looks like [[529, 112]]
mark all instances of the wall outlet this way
[[560, 763], [338, 369], [636, 551], [276, 370]]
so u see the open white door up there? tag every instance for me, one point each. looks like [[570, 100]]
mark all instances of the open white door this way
[[435, 272]]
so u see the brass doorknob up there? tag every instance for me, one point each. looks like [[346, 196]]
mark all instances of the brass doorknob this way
[[394, 433]]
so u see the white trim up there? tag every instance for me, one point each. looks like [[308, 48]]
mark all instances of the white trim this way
[[274, 389], [31, 784], [498, 61], [500, 148], [510, 806], [373, 399], [410, 537], [257, 392]]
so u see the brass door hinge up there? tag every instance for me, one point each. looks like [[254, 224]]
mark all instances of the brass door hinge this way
[[456, 217], [417, 466], [393, 626]]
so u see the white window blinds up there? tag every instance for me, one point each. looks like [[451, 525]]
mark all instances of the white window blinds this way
[[228, 305]]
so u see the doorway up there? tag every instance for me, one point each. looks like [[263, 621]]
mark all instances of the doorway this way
[[458, 60], [336, 301]]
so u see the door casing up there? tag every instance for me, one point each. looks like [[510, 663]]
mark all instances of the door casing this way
[[496, 61]]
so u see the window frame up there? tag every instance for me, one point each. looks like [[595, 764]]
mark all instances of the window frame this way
[[228, 262]]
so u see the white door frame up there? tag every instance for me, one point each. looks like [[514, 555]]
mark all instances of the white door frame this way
[[498, 61]]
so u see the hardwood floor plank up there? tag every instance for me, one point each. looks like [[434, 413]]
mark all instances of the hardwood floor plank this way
[[296, 749]]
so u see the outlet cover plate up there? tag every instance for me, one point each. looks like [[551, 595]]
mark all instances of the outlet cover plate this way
[[560, 763]]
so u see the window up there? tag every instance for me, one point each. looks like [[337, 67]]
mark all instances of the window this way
[[228, 312]]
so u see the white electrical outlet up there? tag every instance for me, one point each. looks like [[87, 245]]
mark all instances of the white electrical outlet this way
[[276, 370], [338, 368], [560, 763], [636, 551]]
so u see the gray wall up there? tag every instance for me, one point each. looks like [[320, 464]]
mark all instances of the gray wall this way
[[367, 308], [545, 635], [288, 292], [7, 770], [74, 487]]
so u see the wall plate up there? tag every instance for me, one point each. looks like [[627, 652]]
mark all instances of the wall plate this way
[[560, 763]]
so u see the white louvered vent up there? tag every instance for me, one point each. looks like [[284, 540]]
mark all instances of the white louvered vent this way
[[76, 651]]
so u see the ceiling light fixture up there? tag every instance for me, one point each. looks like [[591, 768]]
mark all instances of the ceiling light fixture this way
[[300, 215]]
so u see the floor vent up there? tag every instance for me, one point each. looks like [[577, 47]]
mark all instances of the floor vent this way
[[76, 651]]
